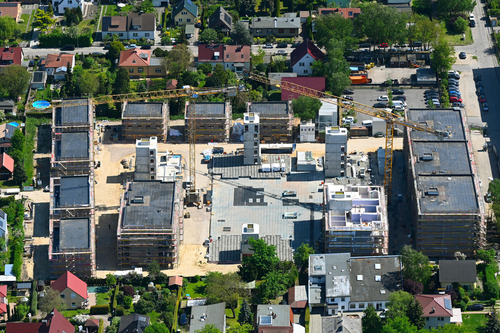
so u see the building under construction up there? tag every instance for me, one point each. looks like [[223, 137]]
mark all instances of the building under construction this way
[[447, 207], [213, 120], [276, 120], [71, 215], [150, 224], [144, 120], [355, 220]]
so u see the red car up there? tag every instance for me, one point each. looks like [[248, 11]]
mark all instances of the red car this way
[[455, 99], [384, 45], [482, 99]]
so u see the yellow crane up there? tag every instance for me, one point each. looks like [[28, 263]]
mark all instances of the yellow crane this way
[[187, 91], [390, 118]]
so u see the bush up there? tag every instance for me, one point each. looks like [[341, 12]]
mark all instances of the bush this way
[[119, 311], [196, 278], [101, 326], [34, 299], [491, 289], [127, 302], [460, 25], [115, 297], [128, 290], [99, 309], [492, 302]]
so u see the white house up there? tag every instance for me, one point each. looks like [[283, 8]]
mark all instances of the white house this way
[[438, 311], [304, 56], [56, 65], [61, 5], [4, 233], [133, 26]]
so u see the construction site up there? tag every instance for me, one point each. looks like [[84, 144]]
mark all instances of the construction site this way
[[276, 120], [444, 188], [71, 212], [144, 120], [213, 120]]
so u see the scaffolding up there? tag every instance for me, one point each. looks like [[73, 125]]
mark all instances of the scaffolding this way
[[145, 125], [210, 126], [275, 127]]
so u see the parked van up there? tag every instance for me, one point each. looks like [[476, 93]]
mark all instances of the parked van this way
[[367, 122], [400, 103], [399, 108]]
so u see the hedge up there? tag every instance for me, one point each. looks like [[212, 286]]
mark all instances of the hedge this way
[[101, 326], [119, 311], [307, 319], [115, 297], [99, 309], [34, 300], [176, 310], [57, 38]]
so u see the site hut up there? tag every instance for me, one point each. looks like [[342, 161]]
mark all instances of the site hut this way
[[142, 120], [213, 120], [335, 152], [251, 139], [444, 190], [276, 120], [150, 224]]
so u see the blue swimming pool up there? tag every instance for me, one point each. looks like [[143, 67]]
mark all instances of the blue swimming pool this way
[[100, 289]]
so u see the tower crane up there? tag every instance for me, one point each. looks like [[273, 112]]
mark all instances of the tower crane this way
[[390, 119], [187, 91]]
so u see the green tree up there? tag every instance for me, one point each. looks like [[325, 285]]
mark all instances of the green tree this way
[[115, 48], [306, 108], [399, 302], [266, 6], [51, 300], [68, 90], [337, 27], [20, 175], [416, 265], [335, 69], [156, 328], [154, 269], [274, 285], [110, 280], [277, 8], [264, 258], [88, 83], [371, 322], [245, 316], [238, 328], [210, 328], [301, 256], [219, 77], [208, 36], [240, 35], [71, 17], [460, 25], [447, 8], [205, 68], [122, 82], [7, 27], [177, 61], [224, 288], [398, 325], [168, 319], [258, 58], [381, 24], [43, 20], [247, 7], [442, 56], [492, 325], [415, 313], [491, 289], [144, 306], [14, 80], [488, 256], [147, 7], [17, 144]]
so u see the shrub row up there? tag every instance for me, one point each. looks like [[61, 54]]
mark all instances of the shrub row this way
[[176, 310], [101, 326], [99, 309], [34, 300], [115, 297]]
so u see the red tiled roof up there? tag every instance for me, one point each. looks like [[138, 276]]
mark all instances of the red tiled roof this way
[[59, 60], [23, 327], [206, 53], [345, 12], [3, 289], [56, 323], [434, 305], [171, 84], [275, 329], [11, 56], [92, 323], [71, 281], [307, 47], [175, 281], [316, 83], [7, 162], [10, 9], [295, 304], [235, 52], [135, 58]]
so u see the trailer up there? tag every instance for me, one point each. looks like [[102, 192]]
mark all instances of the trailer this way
[[360, 80]]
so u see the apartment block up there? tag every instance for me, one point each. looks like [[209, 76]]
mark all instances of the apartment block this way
[[146, 163], [355, 220], [335, 151], [251, 136], [276, 120], [213, 120], [144, 120]]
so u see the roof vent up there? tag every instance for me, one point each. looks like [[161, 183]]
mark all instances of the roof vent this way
[[427, 157], [433, 191], [139, 199]]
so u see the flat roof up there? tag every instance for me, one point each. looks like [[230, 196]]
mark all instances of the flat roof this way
[[232, 166], [270, 108], [74, 145], [74, 191], [203, 315], [440, 119], [74, 234], [77, 113], [441, 158], [208, 109], [279, 315], [455, 194], [150, 204], [133, 110]]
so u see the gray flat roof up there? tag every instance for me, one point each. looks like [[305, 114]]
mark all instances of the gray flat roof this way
[[133, 110], [74, 234], [281, 313], [74, 145], [78, 113], [461, 271], [231, 166], [157, 205], [440, 119], [270, 108], [335, 266], [456, 194], [208, 109], [212, 314], [74, 191], [447, 158]]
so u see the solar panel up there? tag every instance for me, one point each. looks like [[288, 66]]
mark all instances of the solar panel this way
[[447, 304], [265, 320]]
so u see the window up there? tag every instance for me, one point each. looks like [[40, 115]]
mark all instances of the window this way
[[440, 318], [73, 305], [180, 20], [135, 34], [306, 71], [342, 299], [342, 307], [255, 152], [255, 160], [184, 13], [352, 306], [140, 70], [269, 31], [146, 34], [120, 34], [63, 296], [158, 70], [361, 305], [109, 33], [370, 304], [227, 56], [73, 295], [242, 56], [188, 20], [350, 13], [292, 31], [130, 70], [301, 64], [256, 128], [70, 2], [281, 31]]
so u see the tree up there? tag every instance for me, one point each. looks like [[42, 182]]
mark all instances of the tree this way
[[491, 289], [219, 77], [88, 83], [399, 302], [488, 256], [247, 8], [68, 89], [335, 27], [210, 328], [460, 25], [147, 7], [414, 312], [208, 36], [238, 328], [205, 68], [412, 287], [156, 328], [51, 300], [122, 82], [17, 144], [241, 35], [110, 280], [277, 8], [416, 265], [246, 315], [71, 16], [447, 8], [371, 322], [168, 319], [224, 288], [15, 80], [274, 285], [43, 20], [335, 69], [264, 258], [7, 27], [492, 325], [20, 175], [266, 6], [442, 56], [177, 61], [154, 269], [115, 48], [144, 306], [398, 325], [306, 108], [301, 256]]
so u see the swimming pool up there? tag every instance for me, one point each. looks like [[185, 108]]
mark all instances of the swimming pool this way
[[97, 289]]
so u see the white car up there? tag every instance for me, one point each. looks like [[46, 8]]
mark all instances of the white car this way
[[347, 103], [348, 120], [383, 98], [471, 16]]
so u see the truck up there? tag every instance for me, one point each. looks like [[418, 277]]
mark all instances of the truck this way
[[358, 131], [218, 150], [360, 80]]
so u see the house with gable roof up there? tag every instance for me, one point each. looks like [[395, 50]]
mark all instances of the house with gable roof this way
[[6, 166], [438, 311], [52, 323], [133, 26], [302, 58], [11, 56], [140, 62], [280, 27], [184, 12], [73, 290], [56, 65], [222, 20], [11, 9]]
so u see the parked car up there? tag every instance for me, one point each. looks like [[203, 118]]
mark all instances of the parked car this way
[[347, 103], [482, 99], [380, 105], [458, 104], [471, 16], [478, 77], [31, 63], [131, 46], [69, 47], [348, 92], [383, 45], [398, 92], [348, 97], [183, 319], [433, 100], [454, 75], [268, 46], [348, 120], [462, 55], [107, 46], [455, 99], [485, 107], [472, 23], [431, 95], [282, 45], [364, 45], [475, 307], [479, 84], [453, 81], [399, 98], [383, 98], [454, 92], [294, 46], [480, 91], [146, 47], [430, 90]]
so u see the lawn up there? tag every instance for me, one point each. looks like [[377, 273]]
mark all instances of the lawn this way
[[72, 313], [102, 298], [45, 94], [229, 314], [153, 317], [457, 39], [113, 10], [196, 290], [85, 24], [23, 26], [473, 321]]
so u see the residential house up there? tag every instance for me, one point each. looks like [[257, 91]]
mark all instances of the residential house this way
[[4, 231], [171, 84], [184, 12], [56, 65], [133, 26], [61, 5], [8, 106], [6, 132], [274, 318], [297, 298], [438, 311], [133, 323], [11, 56], [6, 166], [3, 300], [338, 3], [341, 283], [348, 13], [174, 282], [302, 58], [316, 83], [139, 63], [303, 15], [280, 27], [161, 3], [348, 324], [210, 53], [457, 271], [73, 290], [39, 80], [12, 9], [190, 31], [53, 322], [214, 314], [221, 20], [237, 58], [144, 120]]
